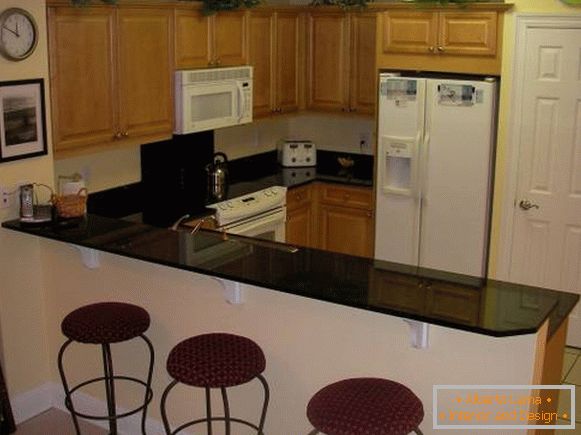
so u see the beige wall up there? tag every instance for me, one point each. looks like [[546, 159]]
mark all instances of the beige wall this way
[[520, 6], [22, 314]]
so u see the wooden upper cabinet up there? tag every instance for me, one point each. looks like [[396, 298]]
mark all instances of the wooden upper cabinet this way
[[468, 34], [467, 40], [217, 40], [410, 32], [145, 64], [274, 41], [192, 39], [230, 33], [342, 72], [288, 66], [363, 74], [328, 61], [110, 77], [261, 57], [83, 85]]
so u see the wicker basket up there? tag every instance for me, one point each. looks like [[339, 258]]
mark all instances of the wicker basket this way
[[71, 206]]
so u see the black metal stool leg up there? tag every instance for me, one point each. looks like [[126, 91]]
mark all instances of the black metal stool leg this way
[[418, 431], [314, 432], [148, 391], [110, 388], [68, 399], [265, 405], [209, 410], [163, 400], [226, 410]]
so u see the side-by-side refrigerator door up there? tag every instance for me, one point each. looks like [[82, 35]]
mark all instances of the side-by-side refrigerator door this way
[[400, 133], [456, 175]]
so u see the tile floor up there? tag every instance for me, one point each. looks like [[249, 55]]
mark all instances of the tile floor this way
[[55, 421], [571, 375]]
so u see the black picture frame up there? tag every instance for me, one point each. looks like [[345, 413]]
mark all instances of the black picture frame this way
[[22, 120]]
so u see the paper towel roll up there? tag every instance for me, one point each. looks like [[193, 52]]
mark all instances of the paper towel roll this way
[[72, 187]]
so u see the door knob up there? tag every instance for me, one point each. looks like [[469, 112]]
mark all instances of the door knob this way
[[525, 204]]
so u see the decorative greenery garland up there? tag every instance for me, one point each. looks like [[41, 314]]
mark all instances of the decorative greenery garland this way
[[213, 6]]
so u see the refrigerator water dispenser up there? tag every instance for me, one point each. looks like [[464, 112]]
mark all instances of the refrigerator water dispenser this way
[[397, 165]]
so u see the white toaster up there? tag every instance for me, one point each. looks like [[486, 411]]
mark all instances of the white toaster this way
[[293, 153]]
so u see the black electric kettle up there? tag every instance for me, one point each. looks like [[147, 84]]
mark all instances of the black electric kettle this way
[[218, 177]]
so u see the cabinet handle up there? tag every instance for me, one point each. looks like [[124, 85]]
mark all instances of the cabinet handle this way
[[431, 49], [218, 61], [441, 49], [125, 134], [117, 135], [279, 110]]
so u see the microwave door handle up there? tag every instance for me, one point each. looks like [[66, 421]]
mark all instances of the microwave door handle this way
[[240, 100]]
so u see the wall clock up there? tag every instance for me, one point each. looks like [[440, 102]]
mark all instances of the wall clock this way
[[18, 34]]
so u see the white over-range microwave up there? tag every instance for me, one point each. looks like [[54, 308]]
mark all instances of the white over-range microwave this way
[[206, 99]]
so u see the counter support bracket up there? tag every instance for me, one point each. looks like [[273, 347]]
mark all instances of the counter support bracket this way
[[419, 334], [89, 257], [233, 291]]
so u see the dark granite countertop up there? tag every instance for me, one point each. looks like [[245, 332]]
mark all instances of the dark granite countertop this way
[[461, 302]]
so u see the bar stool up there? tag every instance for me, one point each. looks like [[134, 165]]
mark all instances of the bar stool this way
[[216, 360], [365, 406], [106, 323]]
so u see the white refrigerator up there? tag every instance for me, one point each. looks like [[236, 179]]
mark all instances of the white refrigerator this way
[[434, 172]]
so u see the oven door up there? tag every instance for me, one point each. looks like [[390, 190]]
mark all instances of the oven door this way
[[266, 226]]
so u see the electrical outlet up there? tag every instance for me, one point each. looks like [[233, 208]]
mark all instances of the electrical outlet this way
[[5, 197], [364, 142]]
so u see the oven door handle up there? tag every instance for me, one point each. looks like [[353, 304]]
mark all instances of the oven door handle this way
[[270, 220]]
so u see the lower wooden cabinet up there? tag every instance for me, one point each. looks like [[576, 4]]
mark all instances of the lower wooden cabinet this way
[[332, 217], [300, 217], [346, 230]]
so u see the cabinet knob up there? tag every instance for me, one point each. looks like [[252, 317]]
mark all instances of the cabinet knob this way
[[125, 134], [441, 49], [117, 135], [218, 61], [369, 214], [431, 49]]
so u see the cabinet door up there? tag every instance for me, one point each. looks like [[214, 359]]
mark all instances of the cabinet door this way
[[83, 89], [230, 38], [261, 56], [363, 81], [145, 63], [409, 32], [192, 39], [346, 230], [299, 226], [467, 33], [327, 60], [288, 61]]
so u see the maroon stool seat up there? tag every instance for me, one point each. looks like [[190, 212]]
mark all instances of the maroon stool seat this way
[[216, 360], [365, 406], [104, 324]]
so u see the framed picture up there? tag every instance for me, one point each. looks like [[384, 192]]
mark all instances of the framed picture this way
[[22, 120]]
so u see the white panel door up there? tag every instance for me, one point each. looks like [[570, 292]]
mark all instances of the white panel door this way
[[546, 245]]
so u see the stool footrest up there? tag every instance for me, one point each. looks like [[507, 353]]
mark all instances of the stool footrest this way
[[69, 405], [205, 420]]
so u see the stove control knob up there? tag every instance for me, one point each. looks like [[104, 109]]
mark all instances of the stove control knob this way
[[267, 192], [222, 206], [230, 204], [274, 191]]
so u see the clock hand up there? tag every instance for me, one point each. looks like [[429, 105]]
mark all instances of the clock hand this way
[[10, 30], [17, 33]]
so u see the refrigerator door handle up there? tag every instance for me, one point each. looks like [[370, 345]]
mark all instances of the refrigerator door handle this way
[[417, 167], [424, 166]]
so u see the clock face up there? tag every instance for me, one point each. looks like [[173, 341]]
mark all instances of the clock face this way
[[18, 34]]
